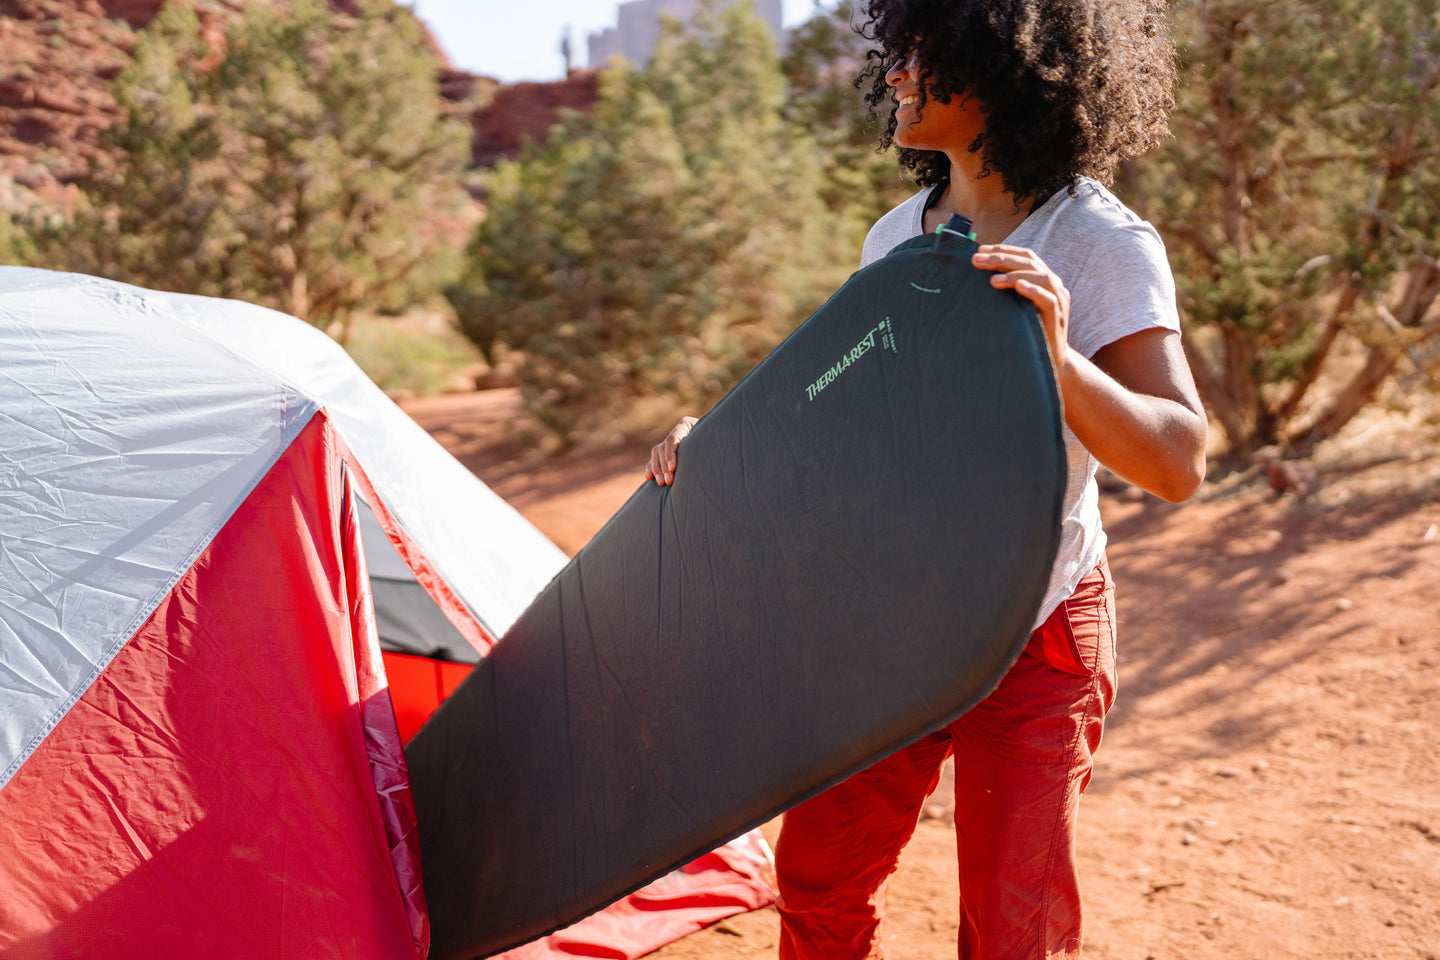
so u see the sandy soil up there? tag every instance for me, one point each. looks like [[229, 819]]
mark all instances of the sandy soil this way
[[1269, 783]]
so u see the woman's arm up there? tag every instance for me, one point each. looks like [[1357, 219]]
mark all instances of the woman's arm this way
[[1134, 406]]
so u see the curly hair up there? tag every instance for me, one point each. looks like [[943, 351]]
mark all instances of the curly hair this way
[[1071, 87]]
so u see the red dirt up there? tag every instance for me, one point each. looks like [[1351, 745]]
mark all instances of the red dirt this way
[[1269, 784]]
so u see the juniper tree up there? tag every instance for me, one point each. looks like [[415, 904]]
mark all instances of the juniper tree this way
[[305, 170], [1299, 199], [661, 245]]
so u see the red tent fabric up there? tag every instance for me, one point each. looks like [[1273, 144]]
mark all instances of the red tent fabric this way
[[736, 878], [418, 685]]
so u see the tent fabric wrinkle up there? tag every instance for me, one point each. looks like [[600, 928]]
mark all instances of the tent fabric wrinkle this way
[[384, 747]]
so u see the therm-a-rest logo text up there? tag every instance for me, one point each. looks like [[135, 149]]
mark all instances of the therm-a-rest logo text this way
[[882, 333]]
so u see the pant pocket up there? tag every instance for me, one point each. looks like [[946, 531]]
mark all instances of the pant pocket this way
[[1078, 637]]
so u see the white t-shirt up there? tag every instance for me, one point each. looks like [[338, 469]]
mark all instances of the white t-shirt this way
[[1114, 265]]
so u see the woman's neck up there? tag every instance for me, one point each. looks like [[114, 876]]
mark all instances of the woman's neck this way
[[993, 210]]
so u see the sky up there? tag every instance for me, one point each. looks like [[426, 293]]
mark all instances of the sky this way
[[514, 40]]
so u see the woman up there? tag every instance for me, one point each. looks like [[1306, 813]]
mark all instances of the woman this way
[[1015, 114]]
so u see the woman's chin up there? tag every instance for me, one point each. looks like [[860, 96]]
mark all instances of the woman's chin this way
[[911, 143], [909, 138]]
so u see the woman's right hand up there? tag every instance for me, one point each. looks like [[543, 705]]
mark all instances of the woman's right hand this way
[[663, 456]]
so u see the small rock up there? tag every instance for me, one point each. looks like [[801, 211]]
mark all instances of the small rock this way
[[1292, 475], [1281, 577], [1432, 533], [1344, 603], [1227, 772], [495, 378], [1189, 839]]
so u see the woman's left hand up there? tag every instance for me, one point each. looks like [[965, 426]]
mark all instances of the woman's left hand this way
[[1022, 270]]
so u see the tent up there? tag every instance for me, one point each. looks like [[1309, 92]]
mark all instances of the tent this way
[[199, 755]]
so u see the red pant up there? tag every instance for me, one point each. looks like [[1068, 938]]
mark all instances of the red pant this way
[[1022, 758]]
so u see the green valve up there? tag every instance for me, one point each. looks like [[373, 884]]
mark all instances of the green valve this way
[[958, 224]]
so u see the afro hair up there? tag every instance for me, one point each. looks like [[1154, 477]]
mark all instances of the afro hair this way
[[1070, 88]]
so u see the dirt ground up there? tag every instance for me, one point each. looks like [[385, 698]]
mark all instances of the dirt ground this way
[[1269, 783]]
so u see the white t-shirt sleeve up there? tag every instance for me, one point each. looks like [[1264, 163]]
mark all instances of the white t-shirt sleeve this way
[[1125, 287]]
